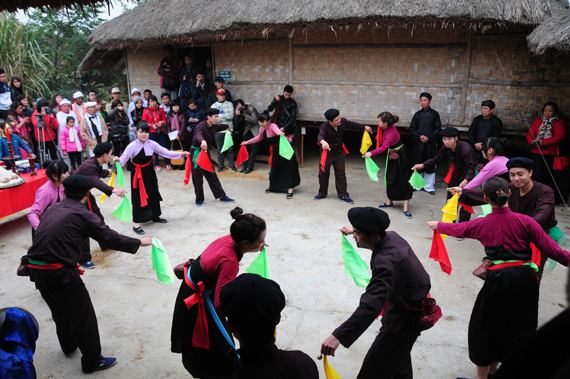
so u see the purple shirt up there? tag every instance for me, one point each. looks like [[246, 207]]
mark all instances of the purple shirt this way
[[150, 147], [390, 136], [46, 195], [495, 167]]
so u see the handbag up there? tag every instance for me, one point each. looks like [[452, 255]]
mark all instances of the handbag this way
[[430, 313], [481, 271], [176, 162], [561, 162]]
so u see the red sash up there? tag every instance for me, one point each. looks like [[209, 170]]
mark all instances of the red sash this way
[[53, 266], [449, 174], [200, 337], [507, 264], [139, 179]]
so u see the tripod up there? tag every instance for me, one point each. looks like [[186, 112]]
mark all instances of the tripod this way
[[41, 141]]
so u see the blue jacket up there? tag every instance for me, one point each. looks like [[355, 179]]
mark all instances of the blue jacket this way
[[17, 143]]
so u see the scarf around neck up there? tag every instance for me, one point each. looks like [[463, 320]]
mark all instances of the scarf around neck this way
[[545, 130]]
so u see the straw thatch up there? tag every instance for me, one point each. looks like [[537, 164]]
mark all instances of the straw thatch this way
[[552, 33], [16, 5], [182, 21]]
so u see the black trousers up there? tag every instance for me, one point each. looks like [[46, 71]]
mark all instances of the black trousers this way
[[75, 319], [74, 158], [335, 159], [389, 357], [198, 176]]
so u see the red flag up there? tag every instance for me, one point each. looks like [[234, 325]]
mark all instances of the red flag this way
[[468, 208], [324, 159], [345, 149], [204, 161], [379, 138], [535, 254], [449, 174], [188, 170], [270, 155], [439, 253], [242, 155]]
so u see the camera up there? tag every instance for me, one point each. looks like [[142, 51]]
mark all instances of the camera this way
[[48, 110], [241, 111], [40, 119]]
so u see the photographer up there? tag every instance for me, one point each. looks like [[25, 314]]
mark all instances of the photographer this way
[[93, 128], [169, 69], [245, 120], [45, 125], [156, 119], [119, 132]]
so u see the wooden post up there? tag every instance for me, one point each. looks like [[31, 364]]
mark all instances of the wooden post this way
[[465, 89]]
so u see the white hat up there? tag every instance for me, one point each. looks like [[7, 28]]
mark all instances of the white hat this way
[[116, 90], [135, 90], [90, 104], [77, 94], [64, 101]]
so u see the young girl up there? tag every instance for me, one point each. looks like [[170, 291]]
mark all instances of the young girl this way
[[175, 121], [156, 119], [136, 117], [284, 173], [145, 197], [16, 88], [71, 143], [17, 143]]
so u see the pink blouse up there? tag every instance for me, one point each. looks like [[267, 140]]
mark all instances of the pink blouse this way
[[272, 131]]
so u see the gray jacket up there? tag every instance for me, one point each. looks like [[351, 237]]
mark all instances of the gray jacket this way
[[250, 120]]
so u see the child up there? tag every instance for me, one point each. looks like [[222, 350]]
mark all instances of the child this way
[[71, 143]]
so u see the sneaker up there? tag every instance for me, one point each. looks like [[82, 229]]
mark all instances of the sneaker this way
[[158, 168], [138, 230], [160, 220], [318, 197], [105, 363], [233, 169], [386, 205], [88, 264], [226, 199], [199, 203], [347, 199], [407, 214], [168, 167], [220, 169]]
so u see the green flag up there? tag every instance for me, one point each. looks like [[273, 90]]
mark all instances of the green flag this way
[[161, 263], [372, 169], [259, 265], [487, 208], [228, 141], [120, 176], [354, 265], [416, 180], [285, 149], [124, 211]]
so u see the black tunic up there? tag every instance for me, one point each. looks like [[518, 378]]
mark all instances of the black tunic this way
[[269, 362], [398, 175], [152, 209], [481, 129], [284, 173], [425, 123], [463, 159]]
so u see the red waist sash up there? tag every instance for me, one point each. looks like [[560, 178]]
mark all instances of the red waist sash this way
[[139, 179], [200, 337]]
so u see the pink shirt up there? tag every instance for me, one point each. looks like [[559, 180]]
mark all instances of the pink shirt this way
[[496, 166], [272, 131], [220, 260], [390, 136], [46, 195]]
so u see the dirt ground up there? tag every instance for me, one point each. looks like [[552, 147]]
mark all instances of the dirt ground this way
[[134, 309]]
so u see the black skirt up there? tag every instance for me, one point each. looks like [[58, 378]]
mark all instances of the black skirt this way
[[398, 173], [284, 173], [152, 209]]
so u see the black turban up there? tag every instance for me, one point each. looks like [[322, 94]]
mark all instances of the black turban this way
[[449, 132], [425, 94], [331, 114], [102, 148], [369, 219], [520, 162], [211, 112], [76, 186], [488, 103]]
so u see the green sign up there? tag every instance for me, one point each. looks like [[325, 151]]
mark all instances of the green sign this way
[[227, 75]]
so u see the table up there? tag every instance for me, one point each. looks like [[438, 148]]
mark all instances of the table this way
[[15, 199]]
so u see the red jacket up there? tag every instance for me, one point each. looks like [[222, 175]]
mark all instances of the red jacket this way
[[49, 130], [156, 116], [549, 145]]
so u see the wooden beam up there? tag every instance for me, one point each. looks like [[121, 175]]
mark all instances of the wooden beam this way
[[467, 74]]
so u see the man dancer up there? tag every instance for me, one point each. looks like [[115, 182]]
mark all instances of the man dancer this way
[[53, 260], [398, 285], [330, 138], [425, 128], [203, 137]]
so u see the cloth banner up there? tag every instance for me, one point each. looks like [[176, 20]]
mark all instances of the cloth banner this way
[[120, 175], [486, 208], [379, 138], [228, 141], [259, 265], [354, 265], [438, 253], [330, 372], [366, 142], [285, 149], [204, 161], [161, 263], [242, 155], [324, 159], [111, 184], [416, 180], [371, 169], [187, 171], [124, 211], [450, 211]]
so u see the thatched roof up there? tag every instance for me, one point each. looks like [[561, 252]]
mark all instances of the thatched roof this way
[[552, 33], [183, 21], [16, 5], [101, 60]]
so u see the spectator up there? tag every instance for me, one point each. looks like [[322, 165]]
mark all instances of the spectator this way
[[16, 88], [483, 127], [194, 116], [198, 90], [169, 70], [135, 116], [71, 143], [5, 96], [93, 128], [147, 94], [62, 116], [55, 102], [78, 107], [219, 82], [17, 143], [101, 111], [165, 99], [119, 131], [226, 116], [26, 110], [115, 95], [135, 94], [92, 95], [46, 134], [156, 119], [176, 121], [285, 111], [209, 73], [245, 121], [189, 70], [20, 124]]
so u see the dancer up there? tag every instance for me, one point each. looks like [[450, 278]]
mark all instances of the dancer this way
[[208, 350], [145, 197], [49, 193], [284, 173], [398, 172], [505, 313]]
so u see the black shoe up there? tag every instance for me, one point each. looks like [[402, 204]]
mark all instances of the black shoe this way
[[268, 190], [160, 220], [138, 230], [289, 195], [248, 170], [220, 169], [242, 170], [233, 169]]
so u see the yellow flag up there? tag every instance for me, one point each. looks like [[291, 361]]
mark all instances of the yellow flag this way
[[111, 184], [330, 372], [366, 142], [450, 211]]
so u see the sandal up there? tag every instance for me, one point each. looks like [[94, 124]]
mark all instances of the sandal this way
[[386, 205]]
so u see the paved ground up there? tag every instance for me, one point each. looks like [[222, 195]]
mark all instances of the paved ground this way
[[134, 309]]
